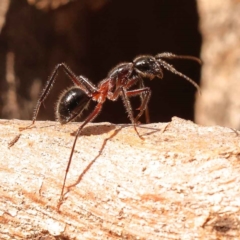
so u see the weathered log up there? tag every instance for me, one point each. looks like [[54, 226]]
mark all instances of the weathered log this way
[[181, 183]]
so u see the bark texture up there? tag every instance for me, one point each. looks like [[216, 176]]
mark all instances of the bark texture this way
[[220, 28], [181, 183]]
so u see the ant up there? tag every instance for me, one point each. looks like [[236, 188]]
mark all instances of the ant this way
[[73, 101]]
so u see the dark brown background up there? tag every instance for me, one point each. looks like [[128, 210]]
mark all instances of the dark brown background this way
[[92, 39]]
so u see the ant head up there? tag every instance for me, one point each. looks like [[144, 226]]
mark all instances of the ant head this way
[[71, 104], [147, 67]]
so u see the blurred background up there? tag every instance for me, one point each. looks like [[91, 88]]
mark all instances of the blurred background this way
[[92, 36]]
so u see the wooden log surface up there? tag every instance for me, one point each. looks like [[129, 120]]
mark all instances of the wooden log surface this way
[[181, 183]]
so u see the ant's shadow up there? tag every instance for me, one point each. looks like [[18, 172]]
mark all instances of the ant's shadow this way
[[95, 130], [108, 127], [103, 129]]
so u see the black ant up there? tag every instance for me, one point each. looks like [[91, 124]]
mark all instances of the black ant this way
[[120, 79]]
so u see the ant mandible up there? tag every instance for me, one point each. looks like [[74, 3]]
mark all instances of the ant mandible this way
[[120, 79]]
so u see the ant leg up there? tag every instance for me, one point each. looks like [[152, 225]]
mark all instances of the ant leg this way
[[90, 118], [128, 107], [122, 91], [80, 81], [146, 94], [169, 55], [147, 116]]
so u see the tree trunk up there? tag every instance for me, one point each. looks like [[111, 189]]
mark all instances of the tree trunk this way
[[180, 182]]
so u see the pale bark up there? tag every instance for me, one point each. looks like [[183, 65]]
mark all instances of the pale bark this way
[[181, 183], [220, 30]]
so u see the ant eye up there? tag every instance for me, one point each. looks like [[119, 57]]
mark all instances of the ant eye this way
[[71, 104]]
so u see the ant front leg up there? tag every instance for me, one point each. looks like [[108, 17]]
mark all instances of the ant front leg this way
[[145, 94], [147, 116], [125, 94], [80, 81]]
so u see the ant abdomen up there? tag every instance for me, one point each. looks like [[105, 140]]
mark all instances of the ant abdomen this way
[[71, 104]]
